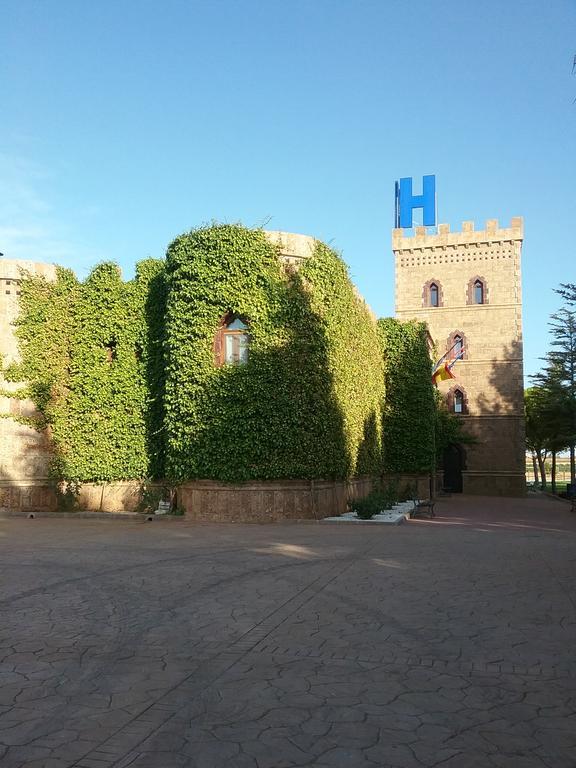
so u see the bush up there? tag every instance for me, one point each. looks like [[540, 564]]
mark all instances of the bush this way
[[67, 494], [374, 503]]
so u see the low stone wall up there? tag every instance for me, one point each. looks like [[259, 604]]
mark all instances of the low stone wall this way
[[110, 497], [27, 496], [209, 500], [267, 501]]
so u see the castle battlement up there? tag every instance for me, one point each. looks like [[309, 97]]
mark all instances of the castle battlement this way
[[493, 233]]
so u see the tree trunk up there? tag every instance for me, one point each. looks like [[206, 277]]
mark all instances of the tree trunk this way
[[535, 468], [541, 458], [572, 464], [553, 473]]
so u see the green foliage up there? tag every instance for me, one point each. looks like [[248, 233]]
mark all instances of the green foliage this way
[[553, 402], [308, 402], [377, 501], [537, 411], [67, 494], [92, 362], [124, 378], [409, 415], [151, 495]]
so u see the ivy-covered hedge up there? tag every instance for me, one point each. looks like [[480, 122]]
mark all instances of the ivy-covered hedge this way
[[410, 412], [91, 358], [308, 402]]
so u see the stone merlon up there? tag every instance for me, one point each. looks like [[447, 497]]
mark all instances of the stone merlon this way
[[419, 238]]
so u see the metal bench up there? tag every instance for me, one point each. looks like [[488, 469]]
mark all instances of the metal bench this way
[[424, 507]]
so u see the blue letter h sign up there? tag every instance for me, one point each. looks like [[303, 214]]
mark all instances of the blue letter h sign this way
[[407, 202]]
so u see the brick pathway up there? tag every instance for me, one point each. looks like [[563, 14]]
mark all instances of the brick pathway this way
[[443, 643]]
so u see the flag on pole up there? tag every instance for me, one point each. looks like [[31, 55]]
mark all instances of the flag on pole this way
[[443, 368], [442, 373]]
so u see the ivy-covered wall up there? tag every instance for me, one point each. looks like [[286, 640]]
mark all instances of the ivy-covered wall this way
[[308, 402], [91, 358], [410, 411], [124, 378]]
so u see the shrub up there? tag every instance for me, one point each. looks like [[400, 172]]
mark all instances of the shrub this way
[[67, 494], [375, 502]]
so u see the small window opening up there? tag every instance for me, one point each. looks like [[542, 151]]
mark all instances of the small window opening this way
[[458, 401], [478, 292], [458, 349], [111, 350], [434, 296], [236, 341]]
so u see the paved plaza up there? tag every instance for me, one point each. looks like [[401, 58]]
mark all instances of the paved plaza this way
[[448, 642]]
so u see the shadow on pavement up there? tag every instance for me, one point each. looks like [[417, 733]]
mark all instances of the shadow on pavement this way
[[495, 513]]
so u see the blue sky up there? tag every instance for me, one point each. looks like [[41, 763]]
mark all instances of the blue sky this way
[[126, 122]]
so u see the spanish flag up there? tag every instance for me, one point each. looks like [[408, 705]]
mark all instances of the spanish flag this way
[[442, 372]]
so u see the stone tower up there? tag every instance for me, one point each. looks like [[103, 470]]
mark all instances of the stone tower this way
[[24, 452], [466, 287]]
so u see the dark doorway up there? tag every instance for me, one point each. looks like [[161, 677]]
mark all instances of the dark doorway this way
[[454, 462]]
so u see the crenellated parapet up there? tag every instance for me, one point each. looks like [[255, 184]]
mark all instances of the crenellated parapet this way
[[493, 243], [492, 233]]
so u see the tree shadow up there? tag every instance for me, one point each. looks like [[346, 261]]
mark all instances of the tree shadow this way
[[505, 381], [370, 450], [499, 430], [155, 373]]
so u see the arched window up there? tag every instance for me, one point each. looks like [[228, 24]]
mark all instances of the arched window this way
[[232, 341], [458, 351], [236, 342], [457, 346], [432, 294], [458, 401], [478, 292]]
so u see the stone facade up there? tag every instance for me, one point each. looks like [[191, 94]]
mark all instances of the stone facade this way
[[24, 453], [490, 376]]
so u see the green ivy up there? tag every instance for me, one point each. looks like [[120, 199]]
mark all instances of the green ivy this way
[[92, 362], [410, 412], [126, 386], [308, 402]]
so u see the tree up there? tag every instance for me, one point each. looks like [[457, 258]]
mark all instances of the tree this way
[[536, 431], [558, 380], [545, 410]]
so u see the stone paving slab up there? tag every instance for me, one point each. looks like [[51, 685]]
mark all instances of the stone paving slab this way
[[437, 643]]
